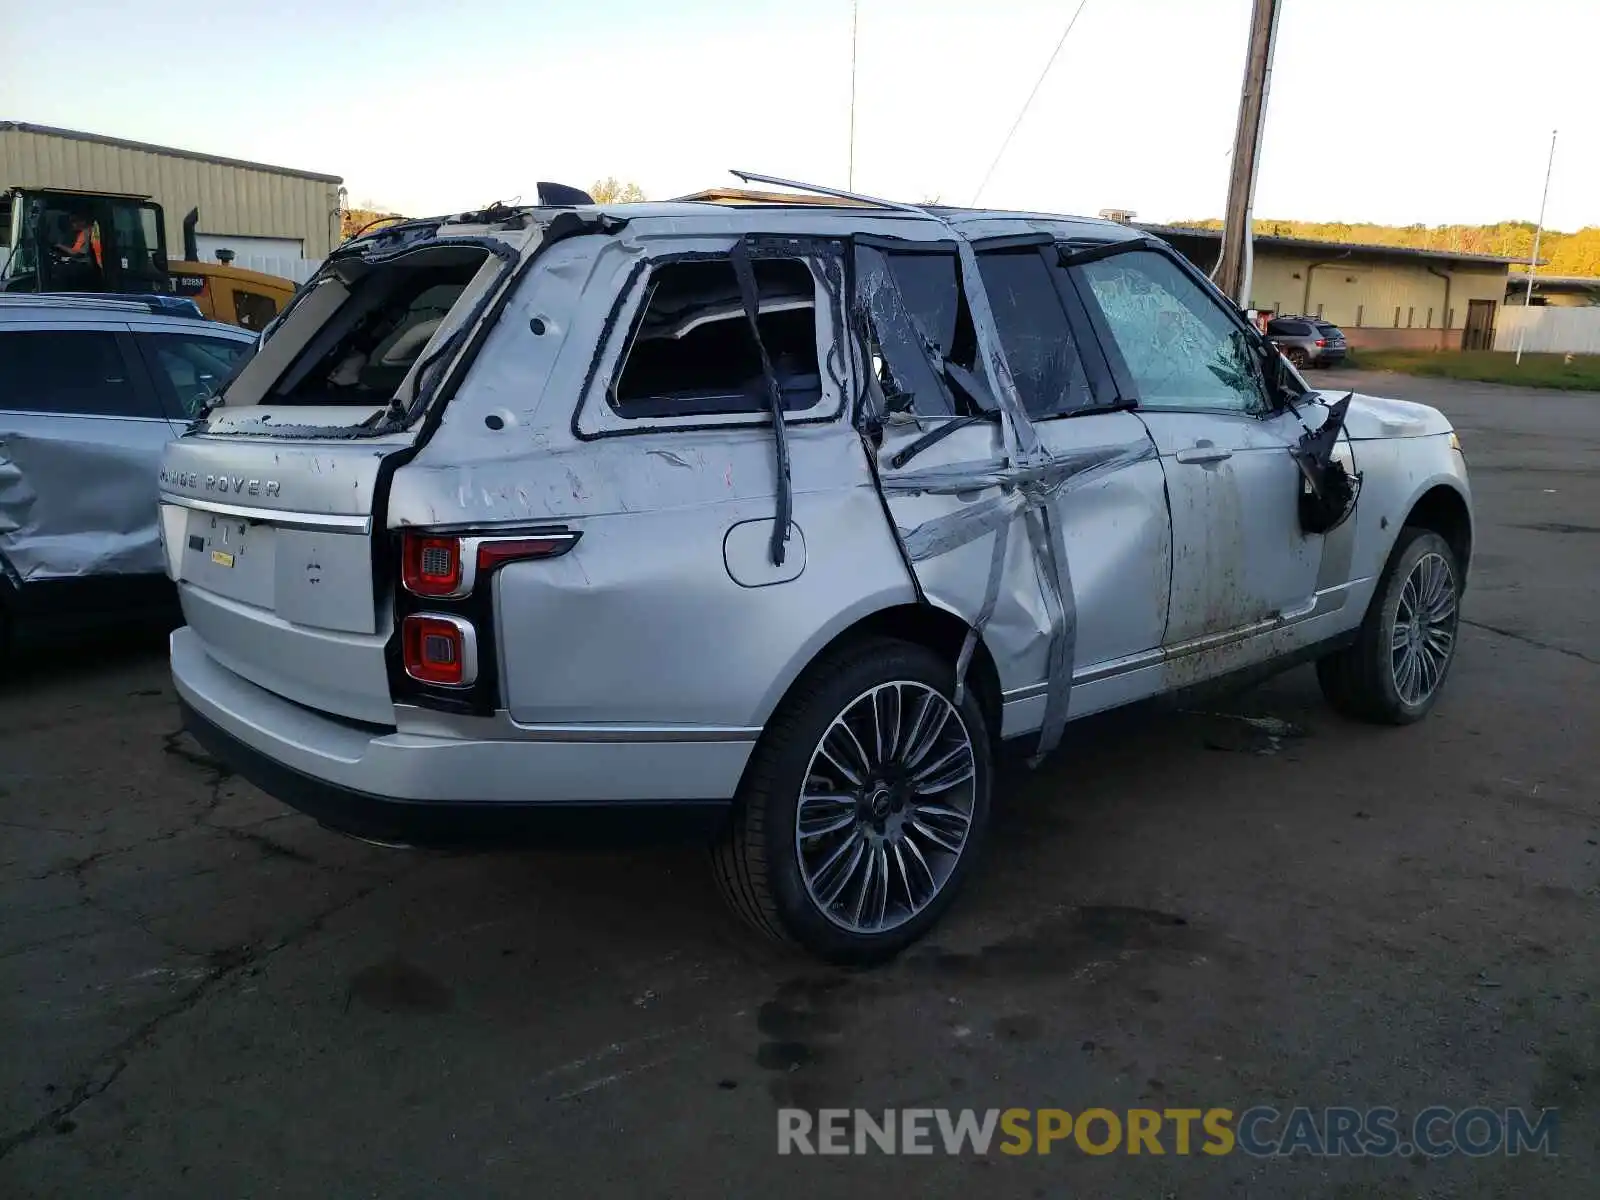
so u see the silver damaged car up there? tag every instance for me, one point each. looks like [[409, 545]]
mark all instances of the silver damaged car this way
[[767, 519]]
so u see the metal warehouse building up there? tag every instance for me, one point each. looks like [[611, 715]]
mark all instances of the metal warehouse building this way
[[270, 217], [1381, 296]]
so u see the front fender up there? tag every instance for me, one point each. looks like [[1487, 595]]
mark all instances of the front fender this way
[[1398, 476]]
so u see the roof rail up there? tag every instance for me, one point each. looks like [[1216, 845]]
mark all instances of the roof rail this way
[[837, 193], [175, 306]]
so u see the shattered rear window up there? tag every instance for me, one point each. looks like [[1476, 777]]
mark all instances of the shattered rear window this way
[[374, 339], [692, 352], [921, 340]]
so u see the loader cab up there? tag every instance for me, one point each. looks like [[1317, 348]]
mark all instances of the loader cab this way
[[65, 241]]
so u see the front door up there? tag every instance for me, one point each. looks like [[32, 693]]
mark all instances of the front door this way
[[1240, 557], [1479, 333], [1064, 571]]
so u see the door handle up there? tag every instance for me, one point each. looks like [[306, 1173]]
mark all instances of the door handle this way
[[1203, 454]]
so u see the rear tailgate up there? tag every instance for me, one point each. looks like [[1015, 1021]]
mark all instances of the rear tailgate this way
[[272, 550], [268, 509]]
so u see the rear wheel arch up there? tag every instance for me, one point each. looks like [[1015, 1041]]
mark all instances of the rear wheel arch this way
[[923, 624]]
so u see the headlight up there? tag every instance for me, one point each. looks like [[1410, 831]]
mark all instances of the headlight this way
[[1455, 443]]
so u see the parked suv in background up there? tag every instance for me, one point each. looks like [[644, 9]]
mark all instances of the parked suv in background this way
[[770, 521], [91, 389], [1308, 341]]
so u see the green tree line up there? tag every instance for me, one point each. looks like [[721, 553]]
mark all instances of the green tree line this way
[[1561, 253]]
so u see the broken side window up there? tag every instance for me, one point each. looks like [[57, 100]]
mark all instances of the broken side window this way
[[1034, 332], [692, 352], [921, 340], [1180, 346]]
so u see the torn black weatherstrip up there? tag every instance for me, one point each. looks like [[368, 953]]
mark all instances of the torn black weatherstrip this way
[[1076, 254], [933, 437], [750, 298]]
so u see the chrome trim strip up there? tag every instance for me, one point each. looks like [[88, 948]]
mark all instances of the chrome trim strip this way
[[283, 518], [415, 719], [635, 733], [1118, 666], [1211, 641], [1288, 616], [87, 416]]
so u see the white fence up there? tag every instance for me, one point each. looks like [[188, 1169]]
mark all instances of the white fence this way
[[1547, 329], [297, 269]]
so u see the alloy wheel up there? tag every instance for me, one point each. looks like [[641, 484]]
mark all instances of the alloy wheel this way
[[886, 807], [1424, 631]]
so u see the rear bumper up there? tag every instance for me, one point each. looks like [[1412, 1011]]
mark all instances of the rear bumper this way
[[425, 790]]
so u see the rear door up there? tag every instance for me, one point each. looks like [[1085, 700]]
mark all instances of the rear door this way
[[1063, 571], [81, 436], [1240, 557]]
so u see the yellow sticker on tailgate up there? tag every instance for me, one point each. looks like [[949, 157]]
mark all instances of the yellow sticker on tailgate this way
[[222, 558]]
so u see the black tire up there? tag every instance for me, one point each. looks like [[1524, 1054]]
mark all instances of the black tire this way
[[757, 865], [1298, 358], [1360, 680]]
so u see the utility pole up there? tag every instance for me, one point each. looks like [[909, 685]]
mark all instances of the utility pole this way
[[850, 172], [1533, 259], [1235, 263]]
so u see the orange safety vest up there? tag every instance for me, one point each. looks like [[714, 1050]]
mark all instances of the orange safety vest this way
[[90, 241]]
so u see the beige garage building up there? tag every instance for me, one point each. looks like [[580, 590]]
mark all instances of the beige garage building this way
[[268, 216], [1381, 296]]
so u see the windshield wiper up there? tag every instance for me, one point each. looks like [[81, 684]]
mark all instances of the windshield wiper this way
[[936, 435], [1094, 410]]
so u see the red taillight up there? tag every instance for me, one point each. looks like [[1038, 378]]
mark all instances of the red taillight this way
[[1322, 341], [438, 649], [430, 566], [495, 551]]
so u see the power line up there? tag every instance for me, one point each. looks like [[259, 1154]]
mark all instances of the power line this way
[[1025, 104]]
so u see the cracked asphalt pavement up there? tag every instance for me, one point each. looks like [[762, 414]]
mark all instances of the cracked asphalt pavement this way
[[204, 994]]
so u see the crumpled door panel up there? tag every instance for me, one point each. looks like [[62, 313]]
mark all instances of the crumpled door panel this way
[[78, 496]]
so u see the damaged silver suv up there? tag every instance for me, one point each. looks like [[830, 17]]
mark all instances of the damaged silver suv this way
[[768, 519]]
